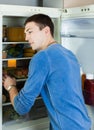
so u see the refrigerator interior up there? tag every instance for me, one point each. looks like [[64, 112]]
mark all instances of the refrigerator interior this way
[[38, 113], [78, 36]]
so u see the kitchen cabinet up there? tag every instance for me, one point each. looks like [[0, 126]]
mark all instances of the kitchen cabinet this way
[[14, 60]]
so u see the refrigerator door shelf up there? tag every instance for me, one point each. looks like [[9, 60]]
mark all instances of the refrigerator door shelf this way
[[80, 27]]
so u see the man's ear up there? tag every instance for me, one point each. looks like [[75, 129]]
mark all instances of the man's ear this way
[[47, 30]]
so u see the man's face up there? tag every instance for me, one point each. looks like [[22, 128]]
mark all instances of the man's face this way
[[34, 35]]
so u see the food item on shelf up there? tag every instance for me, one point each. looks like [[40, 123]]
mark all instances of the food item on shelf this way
[[4, 54], [4, 98], [5, 72], [89, 89], [4, 38], [21, 73], [15, 34], [28, 52], [18, 74], [25, 72], [15, 51], [9, 71]]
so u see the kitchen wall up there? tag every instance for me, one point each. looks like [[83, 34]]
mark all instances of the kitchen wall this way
[[50, 3], [66, 3], [75, 3], [22, 2], [53, 3]]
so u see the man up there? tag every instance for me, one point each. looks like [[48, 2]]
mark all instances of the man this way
[[54, 73]]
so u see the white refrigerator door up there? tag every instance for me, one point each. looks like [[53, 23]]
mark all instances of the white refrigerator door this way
[[77, 34]]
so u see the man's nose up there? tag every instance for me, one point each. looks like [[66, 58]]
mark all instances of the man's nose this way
[[26, 37]]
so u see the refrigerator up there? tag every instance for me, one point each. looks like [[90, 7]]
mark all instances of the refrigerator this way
[[77, 35], [74, 29]]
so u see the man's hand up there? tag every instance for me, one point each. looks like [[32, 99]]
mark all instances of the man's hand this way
[[9, 84], [8, 81]]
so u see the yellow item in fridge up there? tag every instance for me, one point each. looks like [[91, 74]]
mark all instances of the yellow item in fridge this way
[[28, 50], [15, 34], [28, 54]]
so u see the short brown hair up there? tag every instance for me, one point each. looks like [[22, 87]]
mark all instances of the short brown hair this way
[[42, 21]]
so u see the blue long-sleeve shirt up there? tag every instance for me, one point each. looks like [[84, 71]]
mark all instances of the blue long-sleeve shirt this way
[[55, 73]]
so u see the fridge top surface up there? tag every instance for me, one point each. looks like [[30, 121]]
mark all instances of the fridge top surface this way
[[78, 12], [18, 10]]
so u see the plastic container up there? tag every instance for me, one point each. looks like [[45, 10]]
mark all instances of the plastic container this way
[[15, 34]]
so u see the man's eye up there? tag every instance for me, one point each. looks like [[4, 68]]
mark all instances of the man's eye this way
[[29, 32]]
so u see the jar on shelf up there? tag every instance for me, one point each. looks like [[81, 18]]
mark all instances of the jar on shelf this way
[[89, 83], [4, 33], [89, 89], [4, 54]]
